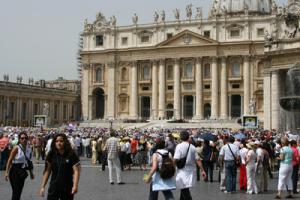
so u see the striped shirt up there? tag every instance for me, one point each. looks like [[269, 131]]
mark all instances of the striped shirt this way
[[112, 147]]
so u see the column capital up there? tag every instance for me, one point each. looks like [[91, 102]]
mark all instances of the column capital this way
[[162, 61], [246, 58], [199, 59], [154, 61], [134, 63], [177, 60], [111, 64], [223, 58], [214, 58]]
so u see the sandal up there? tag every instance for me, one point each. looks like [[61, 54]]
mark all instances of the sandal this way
[[277, 197]]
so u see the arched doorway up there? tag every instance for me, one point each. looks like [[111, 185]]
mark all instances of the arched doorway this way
[[207, 111], [170, 112], [145, 107], [188, 105], [99, 103]]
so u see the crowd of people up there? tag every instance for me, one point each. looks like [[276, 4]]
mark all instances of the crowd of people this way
[[175, 157]]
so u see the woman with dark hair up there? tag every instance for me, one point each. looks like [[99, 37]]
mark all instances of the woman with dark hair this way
[[63, 163], [157, 183], [17, 166]]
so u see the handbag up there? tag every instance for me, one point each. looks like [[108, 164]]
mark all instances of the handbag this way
[[237, 161], [180, 163], [29, 166], [22, 173]]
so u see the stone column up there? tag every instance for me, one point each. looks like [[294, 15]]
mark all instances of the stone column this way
[[224, 95], [275, 100], [214, 89], [111, 97], [84, 92], [199, 90], [90, 107], [177, 86], [162, 89], [134, 91], [154, 90], [267, 102], [247, 92]]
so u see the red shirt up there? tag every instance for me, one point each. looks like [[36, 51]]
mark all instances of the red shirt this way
[[134, 144], [295, 156]]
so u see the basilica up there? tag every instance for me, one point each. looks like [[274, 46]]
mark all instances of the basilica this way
[[230, 64]]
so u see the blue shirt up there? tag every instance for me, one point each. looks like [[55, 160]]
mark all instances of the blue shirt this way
[[287, 154]]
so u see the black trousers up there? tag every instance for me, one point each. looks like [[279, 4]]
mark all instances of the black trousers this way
[[16, 182], [4, 158], [185, 194], [209, 170], [295, 177], [57, 195]]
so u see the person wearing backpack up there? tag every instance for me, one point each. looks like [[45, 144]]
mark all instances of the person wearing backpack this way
[[162, 173], [185, 158]]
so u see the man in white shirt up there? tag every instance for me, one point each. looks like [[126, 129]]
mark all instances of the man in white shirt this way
[[229, 153], [185, 177]]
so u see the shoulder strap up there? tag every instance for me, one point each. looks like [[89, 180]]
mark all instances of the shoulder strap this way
[[188, 150], [23, 152], [231, 152]]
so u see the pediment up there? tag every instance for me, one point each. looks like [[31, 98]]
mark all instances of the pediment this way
[[186, 38]]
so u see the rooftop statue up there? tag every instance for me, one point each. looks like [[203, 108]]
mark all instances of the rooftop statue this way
[[199, 13], [163, 16], [135, 19], [189, 11], [113, 20], [177, 14], [156, 16]]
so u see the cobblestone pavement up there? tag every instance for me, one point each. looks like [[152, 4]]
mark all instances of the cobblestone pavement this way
[[94, 185]]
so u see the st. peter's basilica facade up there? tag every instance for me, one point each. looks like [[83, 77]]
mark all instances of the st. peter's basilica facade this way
[[190, 67]]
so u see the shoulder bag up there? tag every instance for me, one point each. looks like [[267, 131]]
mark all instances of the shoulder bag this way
[[180, 163], [29, 166], [236, 160]]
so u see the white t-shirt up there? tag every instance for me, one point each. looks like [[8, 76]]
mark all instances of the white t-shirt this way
[[186, 177], [225, 151], [260, 153], [243, 153]]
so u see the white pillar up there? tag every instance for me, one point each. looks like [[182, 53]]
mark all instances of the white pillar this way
[[134, 92], [177, 87], [199, 90], [246, 76], [267, 102], [275, 100], [214, 89], [84, 92], [111, 97], [154, 90], [162, 89], [224, 95]]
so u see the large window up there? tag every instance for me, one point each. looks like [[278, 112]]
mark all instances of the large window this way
[[146, 72], [170, 72], [99, 40], [145, 38], [235, 69], [124, 74], [235, 33], [124, 41], [99, 75], [207, 70], [189, 70]]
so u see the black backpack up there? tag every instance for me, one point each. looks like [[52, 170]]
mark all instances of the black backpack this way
[[167, 169]]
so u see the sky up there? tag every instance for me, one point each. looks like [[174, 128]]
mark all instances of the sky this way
[[39, 38]]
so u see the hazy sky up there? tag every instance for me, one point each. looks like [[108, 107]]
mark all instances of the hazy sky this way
[[39, 38]]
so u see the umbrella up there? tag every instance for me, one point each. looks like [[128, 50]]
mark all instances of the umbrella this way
[[208, 136], [240, 136]]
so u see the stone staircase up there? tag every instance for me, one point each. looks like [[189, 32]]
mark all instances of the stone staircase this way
[[164, 124]]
